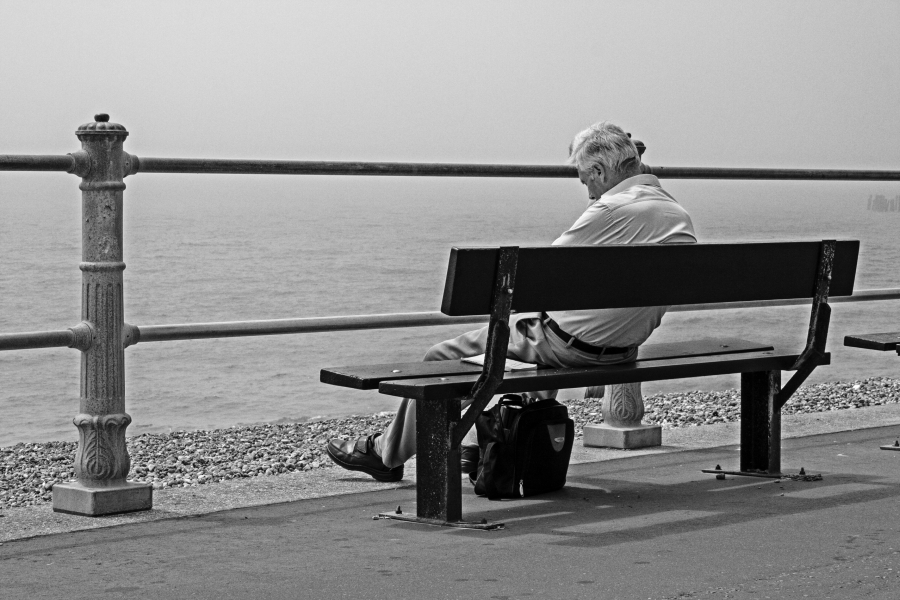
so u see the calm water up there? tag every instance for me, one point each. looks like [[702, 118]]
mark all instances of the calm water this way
[[217, 248]]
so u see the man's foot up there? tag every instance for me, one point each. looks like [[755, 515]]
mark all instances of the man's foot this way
[[359, 455], [468, 459]]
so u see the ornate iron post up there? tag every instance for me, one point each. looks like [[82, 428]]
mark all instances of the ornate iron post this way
[[101, 461]]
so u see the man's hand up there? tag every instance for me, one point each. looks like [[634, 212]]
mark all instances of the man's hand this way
[[641, 148]]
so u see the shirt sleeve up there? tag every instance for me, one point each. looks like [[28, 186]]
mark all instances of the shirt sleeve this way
[[592, 227]]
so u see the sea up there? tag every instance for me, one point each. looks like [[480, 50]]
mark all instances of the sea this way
[[203, 248]]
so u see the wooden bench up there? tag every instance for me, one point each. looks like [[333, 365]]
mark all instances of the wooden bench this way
[[498, 281], [875, 341], [885, 342]]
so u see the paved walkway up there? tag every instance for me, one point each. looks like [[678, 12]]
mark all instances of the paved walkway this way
[[646, 526]]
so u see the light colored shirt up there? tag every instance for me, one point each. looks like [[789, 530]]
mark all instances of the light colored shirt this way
[[636, 211]]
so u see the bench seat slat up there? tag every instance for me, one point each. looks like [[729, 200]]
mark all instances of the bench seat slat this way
[[873, 341], [367, 377], [437, 388]]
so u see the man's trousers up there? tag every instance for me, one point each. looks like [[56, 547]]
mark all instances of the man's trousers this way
[[529, 341]]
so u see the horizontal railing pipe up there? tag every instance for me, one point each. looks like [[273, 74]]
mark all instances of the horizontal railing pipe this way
[[288, 167], [194, 331], [25, 162], [10, 162], [858, 296], [199, 331], [793, 174], [300, 167], [37, 339]]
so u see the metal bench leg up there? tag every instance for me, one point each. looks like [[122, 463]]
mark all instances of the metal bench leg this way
[[760, 422], [438, 485]]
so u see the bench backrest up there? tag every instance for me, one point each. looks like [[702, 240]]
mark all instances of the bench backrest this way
[[591, 277]]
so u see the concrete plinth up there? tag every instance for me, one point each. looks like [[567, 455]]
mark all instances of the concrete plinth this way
[[634, 436], [77, 499]]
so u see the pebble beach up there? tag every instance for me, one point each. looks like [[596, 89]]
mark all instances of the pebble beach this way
[[28, 472]]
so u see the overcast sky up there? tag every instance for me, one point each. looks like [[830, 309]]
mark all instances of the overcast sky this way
[[703, 83], [805, 84]]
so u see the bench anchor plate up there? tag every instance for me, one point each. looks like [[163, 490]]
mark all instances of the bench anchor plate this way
[[744, 473], [482, 525]]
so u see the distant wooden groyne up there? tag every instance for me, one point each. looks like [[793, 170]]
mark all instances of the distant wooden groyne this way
[[880, 203]]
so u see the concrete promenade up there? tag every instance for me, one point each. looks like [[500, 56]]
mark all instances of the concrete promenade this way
[[627, 525]]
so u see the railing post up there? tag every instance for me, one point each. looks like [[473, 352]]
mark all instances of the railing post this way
[[622, 409], [101, 461]]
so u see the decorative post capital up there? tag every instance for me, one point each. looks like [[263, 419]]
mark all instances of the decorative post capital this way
[[101, 127], [102, 164], [102, 131]]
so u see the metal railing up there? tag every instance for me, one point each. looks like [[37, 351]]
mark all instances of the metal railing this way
[[133, 334], [68, 163], [101, 461]]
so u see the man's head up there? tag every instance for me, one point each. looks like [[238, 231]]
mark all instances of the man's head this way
[[604, 156]]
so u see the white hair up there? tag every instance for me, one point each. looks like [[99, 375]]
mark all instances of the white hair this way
[[607, 145]]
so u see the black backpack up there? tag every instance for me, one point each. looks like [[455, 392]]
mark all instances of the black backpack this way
[[524, 448]]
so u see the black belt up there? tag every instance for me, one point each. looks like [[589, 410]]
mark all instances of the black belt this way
[[573, 341]]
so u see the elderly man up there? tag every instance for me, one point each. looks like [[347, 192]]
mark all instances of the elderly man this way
[[625, 207]]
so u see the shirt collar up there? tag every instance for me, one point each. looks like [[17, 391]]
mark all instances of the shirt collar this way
[[623, 185]]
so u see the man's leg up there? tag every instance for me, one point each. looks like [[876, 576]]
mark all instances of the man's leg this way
[[387, 452], [526, 343], [382, 455], [398, 442]]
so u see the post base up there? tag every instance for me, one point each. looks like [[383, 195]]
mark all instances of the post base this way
[[75, 498], [625, 438]]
